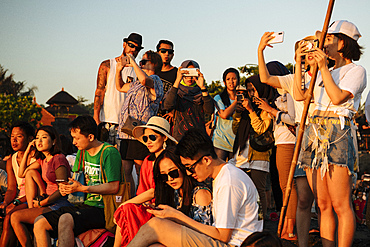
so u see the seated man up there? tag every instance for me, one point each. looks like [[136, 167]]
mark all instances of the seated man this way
[[68, 222], [235, 207]]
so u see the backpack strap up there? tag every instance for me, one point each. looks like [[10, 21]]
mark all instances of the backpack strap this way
[[104, 177]]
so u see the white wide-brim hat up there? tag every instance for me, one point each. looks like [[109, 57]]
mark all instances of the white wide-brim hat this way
[[155, 123]]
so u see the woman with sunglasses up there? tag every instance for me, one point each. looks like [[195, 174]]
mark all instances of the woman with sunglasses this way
[[142, 102], [328, 151], [172, 187], [189, 99], [155, 136]]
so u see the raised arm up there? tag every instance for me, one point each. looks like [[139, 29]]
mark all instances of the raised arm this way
[[299, 93], [23, 168], [144, 79], [100, 88], [208, 105], [335, 93], [265, 76]]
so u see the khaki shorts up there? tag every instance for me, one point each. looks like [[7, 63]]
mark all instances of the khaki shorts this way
[[190, 237]]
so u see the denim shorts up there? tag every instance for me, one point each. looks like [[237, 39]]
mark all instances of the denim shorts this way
[[327, 143]]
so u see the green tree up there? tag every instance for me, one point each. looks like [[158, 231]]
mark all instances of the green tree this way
[[16, 102], [215, 88], [13, 109], [89, 107]]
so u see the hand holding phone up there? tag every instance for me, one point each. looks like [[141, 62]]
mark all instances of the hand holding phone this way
[[278, 38], [149, 205]]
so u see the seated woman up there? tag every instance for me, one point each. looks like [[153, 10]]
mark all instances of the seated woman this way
[[142, 102], [15, 196], [190, 100], [172, 187], [54, 167]]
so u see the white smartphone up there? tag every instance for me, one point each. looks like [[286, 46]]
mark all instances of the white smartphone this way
[[191, 71], [278, 38]]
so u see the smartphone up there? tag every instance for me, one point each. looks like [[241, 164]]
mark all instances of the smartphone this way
[[240, 98], [311, 45], [61, 181], [278, 38], [149, 205], [191, 71]]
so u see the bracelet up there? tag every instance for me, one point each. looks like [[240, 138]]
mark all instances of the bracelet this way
[[204, 90], [16, 202], [39, 203]]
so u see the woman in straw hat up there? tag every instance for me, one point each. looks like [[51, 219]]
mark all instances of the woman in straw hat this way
[[328, 151], [131, 215]]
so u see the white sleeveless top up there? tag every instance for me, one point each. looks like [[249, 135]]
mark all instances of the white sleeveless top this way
[[20, 181], [113, 99]]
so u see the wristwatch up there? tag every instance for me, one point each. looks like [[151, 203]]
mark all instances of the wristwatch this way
[[16, 202], [204, 90]]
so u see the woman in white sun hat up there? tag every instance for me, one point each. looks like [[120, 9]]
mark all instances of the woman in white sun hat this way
[[328, 153], [155, 136]]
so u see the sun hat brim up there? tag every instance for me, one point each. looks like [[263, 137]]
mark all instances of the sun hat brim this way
[[138, 132]]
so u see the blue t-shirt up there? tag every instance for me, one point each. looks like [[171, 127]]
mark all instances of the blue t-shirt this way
[[223, 136]]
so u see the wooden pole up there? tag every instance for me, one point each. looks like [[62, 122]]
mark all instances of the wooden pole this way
[[303, 121]]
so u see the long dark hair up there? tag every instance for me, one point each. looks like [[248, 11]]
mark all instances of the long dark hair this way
[[165, 194], [56, 148]]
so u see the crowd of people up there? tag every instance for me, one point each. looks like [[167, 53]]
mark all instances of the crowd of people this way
[[197, 185]]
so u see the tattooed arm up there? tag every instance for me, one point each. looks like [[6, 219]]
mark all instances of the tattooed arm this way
[[100, 88]]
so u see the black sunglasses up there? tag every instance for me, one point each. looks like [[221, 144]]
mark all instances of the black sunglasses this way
[[191, 168], [173, 174], [163, 50], [151, 137], [143, 62], [134, 46]]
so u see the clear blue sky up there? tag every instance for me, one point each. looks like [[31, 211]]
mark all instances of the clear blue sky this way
[[55, 44]]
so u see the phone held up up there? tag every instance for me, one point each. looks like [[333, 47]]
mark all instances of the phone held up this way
[[239, 98], [190, 72], [311, 45], [278, 38]]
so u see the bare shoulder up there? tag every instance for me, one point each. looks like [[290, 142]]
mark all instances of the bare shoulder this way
[[203, 197], [105, 64]]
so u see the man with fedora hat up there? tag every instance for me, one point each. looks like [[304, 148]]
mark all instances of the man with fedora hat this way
[[108, 100]]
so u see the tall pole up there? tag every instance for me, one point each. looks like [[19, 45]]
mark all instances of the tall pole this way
[[303, 121]]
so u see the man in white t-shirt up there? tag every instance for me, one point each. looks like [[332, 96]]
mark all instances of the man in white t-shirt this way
[[108, 100], [235, 202]]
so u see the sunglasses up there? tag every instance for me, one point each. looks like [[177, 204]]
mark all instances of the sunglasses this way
[[163, 50], [137, 48], [173, 174], [151, 137], [191, 168], [143, 62]]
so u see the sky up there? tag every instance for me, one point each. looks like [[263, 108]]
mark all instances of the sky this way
[[54, 44]]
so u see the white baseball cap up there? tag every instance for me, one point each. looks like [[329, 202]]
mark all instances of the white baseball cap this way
[[345, 27]]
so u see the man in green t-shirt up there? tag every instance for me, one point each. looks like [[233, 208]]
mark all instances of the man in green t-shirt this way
[[68, 222]]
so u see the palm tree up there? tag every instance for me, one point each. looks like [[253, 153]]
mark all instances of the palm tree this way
[[10, 87]]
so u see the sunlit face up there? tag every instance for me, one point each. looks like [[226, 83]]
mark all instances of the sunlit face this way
[[18, 139], [231, 81], [127, 49], [43, 141], [200, 172], [145, 63], [166, 57], [189, 80], [310, 59], [81, 141], [154, 146], [332, 45], [252, 91], [165, 166]]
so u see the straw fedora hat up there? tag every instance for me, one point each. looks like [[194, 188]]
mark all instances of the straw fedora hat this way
[[155, 123]]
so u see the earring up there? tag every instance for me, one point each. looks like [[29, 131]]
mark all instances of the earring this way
[[164, 145]]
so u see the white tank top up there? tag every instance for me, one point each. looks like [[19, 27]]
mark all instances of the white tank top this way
[[20, 181], [113, 99]]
